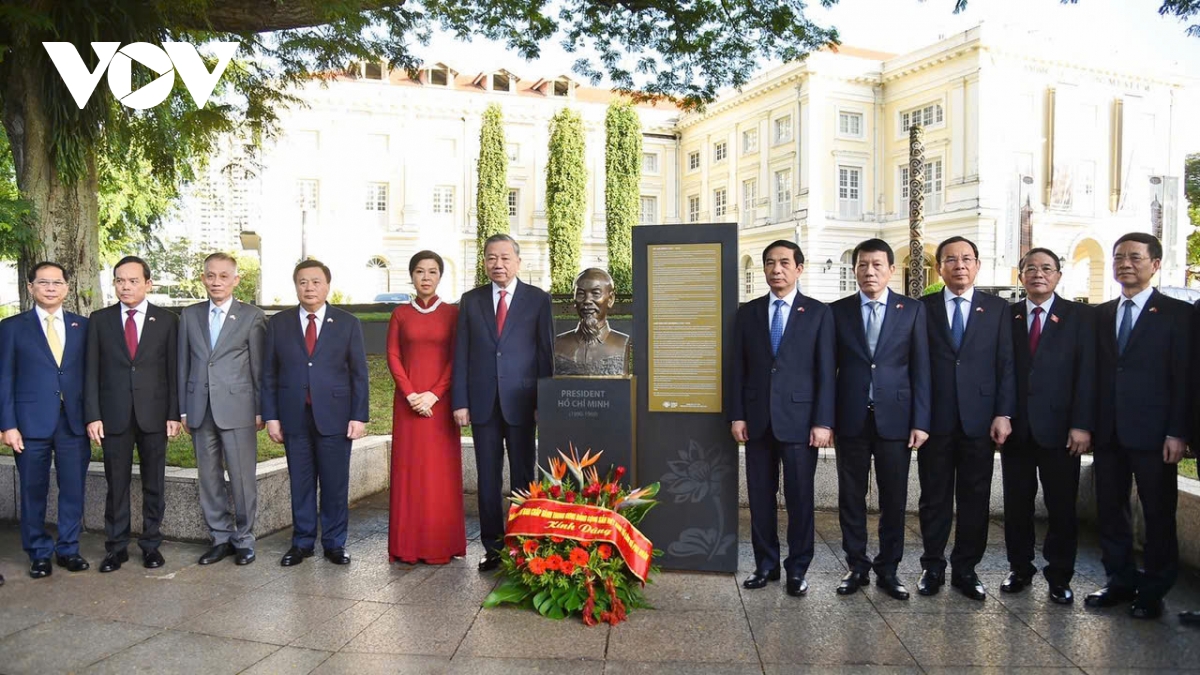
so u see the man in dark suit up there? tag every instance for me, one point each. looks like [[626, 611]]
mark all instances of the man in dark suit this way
[[781, 399], [883, 402], [314, 400], [131, 399], [1142, 426], [1192, 617], [974, 394], [1054, 349], [220, 367], [41, 412], [505, 343]]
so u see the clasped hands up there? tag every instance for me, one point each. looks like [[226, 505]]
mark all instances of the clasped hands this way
[[422, 403]]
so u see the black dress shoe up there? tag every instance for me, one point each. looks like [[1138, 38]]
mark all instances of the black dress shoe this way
[[489, 562], [970, 586], [1, 579], [852, 582], [40, 569], [930, 583], [759, 579], [797, 586], [72, 563], [295, 556], [337, 556], [245, 556], [216, 554], [152, 559], [891, 585], [1061, 595], [1188, 618], [1015, 583], [1146, 609], [112, 562], [1110, 596]]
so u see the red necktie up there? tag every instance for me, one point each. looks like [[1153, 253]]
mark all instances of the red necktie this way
[[131, 336], [501, 312], [1035, 331], [310, 341]]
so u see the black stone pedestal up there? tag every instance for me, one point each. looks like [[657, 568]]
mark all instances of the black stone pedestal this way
[[594, 413]]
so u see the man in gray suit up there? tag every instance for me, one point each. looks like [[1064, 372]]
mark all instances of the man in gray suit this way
[[220, 358]]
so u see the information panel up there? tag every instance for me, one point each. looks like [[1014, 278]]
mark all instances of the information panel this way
[[685, 327]]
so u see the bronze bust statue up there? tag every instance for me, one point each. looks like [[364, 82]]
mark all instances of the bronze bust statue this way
[[592, 348]]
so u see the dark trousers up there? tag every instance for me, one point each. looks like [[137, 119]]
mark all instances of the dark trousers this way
[[1116, 467], [318, 462], [490, 441], [763, 456], [118, 472], [955, 472], [1023, 464], [892, 460], [71, 455]]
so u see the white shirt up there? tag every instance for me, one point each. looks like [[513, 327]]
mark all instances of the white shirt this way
[[225, 312], [59, 324], [139, 319], [512, 286], [965, 309], [320, 319], [1030, 306], [789, 301], [1139, 303], [866, 311]]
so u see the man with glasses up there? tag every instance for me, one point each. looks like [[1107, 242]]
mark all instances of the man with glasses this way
[[882, 411], [1054, 348], [41, 412], [974, 392], [1142, 426]]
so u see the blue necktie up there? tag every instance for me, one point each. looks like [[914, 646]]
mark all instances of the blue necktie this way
[[1126, 327], [214, 328], [777, 327], [956, 324]]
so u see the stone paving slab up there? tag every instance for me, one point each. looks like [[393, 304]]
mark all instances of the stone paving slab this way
[[377, 617]]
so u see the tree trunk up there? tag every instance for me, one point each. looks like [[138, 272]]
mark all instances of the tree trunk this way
[[65, 217]]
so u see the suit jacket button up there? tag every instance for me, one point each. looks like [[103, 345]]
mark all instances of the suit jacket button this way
[[957, 362], [774, 369], [58, 394], [210, 365], [497, 353], [60, 372], [310, 364], [133, 369], [872, 366]]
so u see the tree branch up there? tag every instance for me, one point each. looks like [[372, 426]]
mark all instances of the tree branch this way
[[239, 16]]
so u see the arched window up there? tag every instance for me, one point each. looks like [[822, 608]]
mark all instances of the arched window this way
[[748, 273], [382, 275], [846, 279]]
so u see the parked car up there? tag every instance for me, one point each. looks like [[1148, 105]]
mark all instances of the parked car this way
[[393, 298], [1188, 295]]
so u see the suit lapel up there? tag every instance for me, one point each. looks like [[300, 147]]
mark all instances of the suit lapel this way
[[1108, 326], [1050, 329], [120, 329], [76, 338], [204, 316], [228, 326], [489, 311], [1021, 328], [798, 309], [1149, 313], [515, 304], [936, 306], [327, 326], [891, 316], [762, 327], [45, 344], [974, 311], [299, 335]]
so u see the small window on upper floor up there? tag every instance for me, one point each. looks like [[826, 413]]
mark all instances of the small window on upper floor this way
[[562, 87], [501, 82], [373, 71], [439, 77]]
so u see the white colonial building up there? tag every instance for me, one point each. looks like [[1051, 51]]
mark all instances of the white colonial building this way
[[378, 165]]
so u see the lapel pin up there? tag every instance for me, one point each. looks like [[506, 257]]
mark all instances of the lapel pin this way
[[1054, 318], [800, 309], [979, 309], [328, 320], [151, 319], [1017, 317], [899, 305], [1153, 310], [232, 317], [74, 325]]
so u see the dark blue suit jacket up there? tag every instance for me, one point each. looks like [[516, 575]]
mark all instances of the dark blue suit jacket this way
[[976, 383], [1143, 394], [335, 374], [31, 382], [1056, 386], [793, 391], [508, 366], [899, 369]]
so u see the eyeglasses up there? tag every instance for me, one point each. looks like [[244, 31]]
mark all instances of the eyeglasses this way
[[966, 260], [47, 283], [1135, 258], [1046, 270]]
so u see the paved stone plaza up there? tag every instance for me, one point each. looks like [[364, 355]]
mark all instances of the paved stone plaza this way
[[375, 617]]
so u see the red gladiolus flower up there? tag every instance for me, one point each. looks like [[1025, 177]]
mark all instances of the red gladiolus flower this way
[[619, 472], [555, 491], [556, 539], [570, 498], [605, 551], [579, 557], [568, 568], [537, 566], [554, 562], [530, 546]]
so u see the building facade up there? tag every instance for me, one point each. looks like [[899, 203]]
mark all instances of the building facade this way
[[1023, 147]]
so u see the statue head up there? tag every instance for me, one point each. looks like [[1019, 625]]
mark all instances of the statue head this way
[[594, 297]]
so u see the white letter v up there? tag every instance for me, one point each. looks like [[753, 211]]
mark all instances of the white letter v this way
[[74, 73]]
